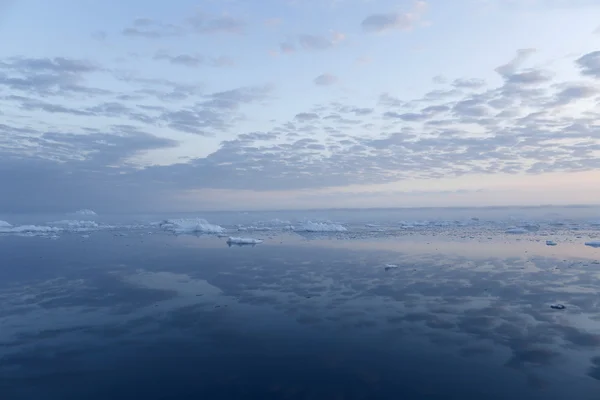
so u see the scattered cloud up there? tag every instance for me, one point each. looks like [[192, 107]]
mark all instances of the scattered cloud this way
[[199, 23], [590, 64], [311, 42], [377, 23], [325, 80], [194, 60]]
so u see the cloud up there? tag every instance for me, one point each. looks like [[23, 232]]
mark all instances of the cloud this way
[[377, 23], [151, 29], [194, 60], [311, 42], [589, 64], [520, 126], [48, 76], [468, 83], [325, 80], [206, 24], [199, 23], [99, 35]]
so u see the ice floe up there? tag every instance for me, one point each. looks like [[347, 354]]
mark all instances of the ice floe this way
[[593, 244], [310, 226], [76, 226], [558, 306], [243, 240], [190, 225], [30, 229], [550, 243], [4, 224]]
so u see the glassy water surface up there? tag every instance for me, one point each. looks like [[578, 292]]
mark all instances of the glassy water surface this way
[[451, 311]]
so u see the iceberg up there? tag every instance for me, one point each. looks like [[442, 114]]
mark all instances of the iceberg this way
[[77, 226], [191, 225], [550, 243], [85, 211], [320, 227], [592, 244], [242, 240], [4, 224], [30, 229]]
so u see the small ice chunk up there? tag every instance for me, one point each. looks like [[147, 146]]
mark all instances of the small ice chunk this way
[[242, 240], [4, 224], [593, 244], [516, 231], [558, 306], [550, 243], [390, 266], [321, 227]]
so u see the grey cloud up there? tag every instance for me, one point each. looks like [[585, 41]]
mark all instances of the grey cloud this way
[[99, 35], [199, 23], [589, 64], [202, 23], [314, 42], [440, 79], [385, 22], [150, 29], [191, 60], [529, 77], [468, 83], [409, 117], [422, 138], [307, 116], [575, 92], [512, 67], [287, 47], [311, 42], [325, 80], [48, 76]]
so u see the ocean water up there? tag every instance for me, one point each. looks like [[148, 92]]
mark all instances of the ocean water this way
[[397, 306]]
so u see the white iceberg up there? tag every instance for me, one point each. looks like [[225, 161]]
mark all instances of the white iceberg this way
[[243, 240], [4, 224], [320, 227], [77, 226], [592, 244], [86, 211], [30, 229], [190, 225]]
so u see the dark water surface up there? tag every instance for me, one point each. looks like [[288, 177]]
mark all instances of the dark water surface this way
[[166, 317]]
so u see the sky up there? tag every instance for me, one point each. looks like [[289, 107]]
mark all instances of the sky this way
[[289, 104]]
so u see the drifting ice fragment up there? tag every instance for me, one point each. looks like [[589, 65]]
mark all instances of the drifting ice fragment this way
[[320, 227], [550, 243], [241, 240], [592, 244], [4, 224], [192, 225], [557, 306], [390, 266]]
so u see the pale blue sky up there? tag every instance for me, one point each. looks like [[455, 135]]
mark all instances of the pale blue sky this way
[[195, 104]]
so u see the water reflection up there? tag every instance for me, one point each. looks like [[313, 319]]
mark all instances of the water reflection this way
[[299, 318]]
